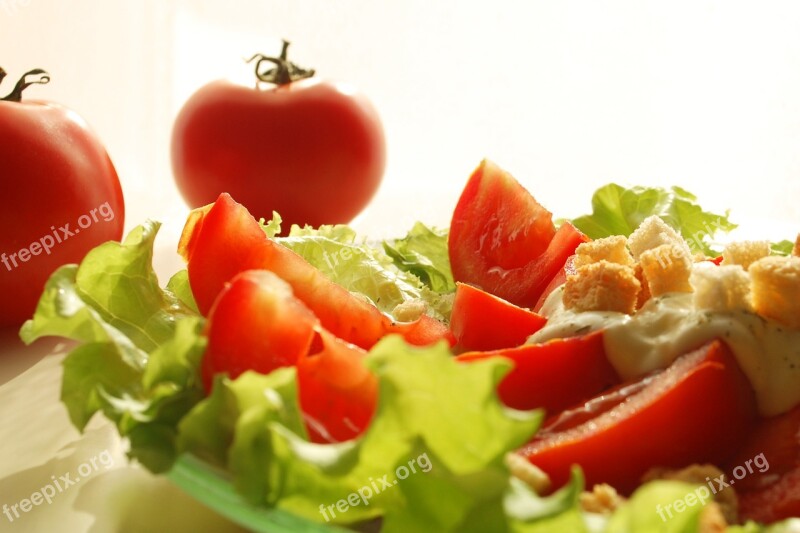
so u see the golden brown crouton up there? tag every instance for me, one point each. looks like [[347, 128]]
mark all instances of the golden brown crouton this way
[[796, 249], [644, 294], [721, 288], [603, 499], [712, 519], [775, 286], [652, 233], [602, 286], [531, 474], [745, 253], [666, 269], [612, 249]]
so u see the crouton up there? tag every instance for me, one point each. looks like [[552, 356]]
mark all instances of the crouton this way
[[531, 474], [410, 310], [712, 519], [652, 233], [602, 286], [666, 268], [720, 288], [796, 249], [603, 499], [775, 288], [612, 249], [745, 253], [644, 294]]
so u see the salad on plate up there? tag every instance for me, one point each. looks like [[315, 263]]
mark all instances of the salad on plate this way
[[616, 372]]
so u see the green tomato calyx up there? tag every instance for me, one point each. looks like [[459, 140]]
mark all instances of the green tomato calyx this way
[[283, 73], [16, 94]]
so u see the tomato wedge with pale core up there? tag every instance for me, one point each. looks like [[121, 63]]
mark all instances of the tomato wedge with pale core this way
[[696, 411], [482, 321], [770, 461], [553, 375], [257, 324], [223, 239], [503, 241]]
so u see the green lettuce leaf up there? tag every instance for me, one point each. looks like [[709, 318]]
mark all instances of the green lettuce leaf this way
[[362, 268], [790, 525], [782, 247], [652, 508], [418, 465], [423, 252], [140, 350], [619, 211], [178, 285]]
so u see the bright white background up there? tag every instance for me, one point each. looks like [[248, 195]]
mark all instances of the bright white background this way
[[566, 95]]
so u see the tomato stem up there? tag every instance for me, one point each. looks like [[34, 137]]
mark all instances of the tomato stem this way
[[16, 94], [283, 73]]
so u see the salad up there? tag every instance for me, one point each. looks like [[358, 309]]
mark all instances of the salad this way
[[615, 372]]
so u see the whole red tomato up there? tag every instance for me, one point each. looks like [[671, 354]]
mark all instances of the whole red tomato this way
[[61, 196], [312, 150]]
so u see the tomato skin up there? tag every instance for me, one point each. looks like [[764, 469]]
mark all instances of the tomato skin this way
[[698, 410], [503, 241], [55, 171], [544, 375], [256, 324], [771, 489], [312, 150], [559, 279], [224, 239], [482, 321], [338, 394]]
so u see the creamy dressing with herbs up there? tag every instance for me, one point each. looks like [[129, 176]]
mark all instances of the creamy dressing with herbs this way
[[669, 326]]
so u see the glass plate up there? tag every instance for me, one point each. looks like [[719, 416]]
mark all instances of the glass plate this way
[[213, 488]]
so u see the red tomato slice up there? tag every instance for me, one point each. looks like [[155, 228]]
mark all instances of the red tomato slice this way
[[779, 501], [502, 240], [256, 324], [695, 411], [338, 394], [223, 239], [481, 321], [557, 281], [553, 375], [768, 465]]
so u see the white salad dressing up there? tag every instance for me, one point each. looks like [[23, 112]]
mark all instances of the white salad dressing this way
[[669, 326]]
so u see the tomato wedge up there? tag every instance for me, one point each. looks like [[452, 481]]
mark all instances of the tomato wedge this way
[[769, 468], [696, 411], [553, 375], [223, 239], [482, 321], [338, 394], [257, 324], [503, 241]]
